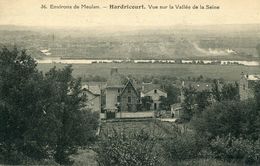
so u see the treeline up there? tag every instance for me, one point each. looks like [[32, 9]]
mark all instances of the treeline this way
[[43, 117]]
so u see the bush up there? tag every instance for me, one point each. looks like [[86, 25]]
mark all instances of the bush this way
[[235, 117], [238, 149], [185, 146], [121, 149]]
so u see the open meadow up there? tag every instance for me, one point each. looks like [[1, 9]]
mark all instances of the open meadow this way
[[227, 72]]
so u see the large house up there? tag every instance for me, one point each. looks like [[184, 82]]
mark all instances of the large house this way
[[155, 93], [246, 85], [120, 96]]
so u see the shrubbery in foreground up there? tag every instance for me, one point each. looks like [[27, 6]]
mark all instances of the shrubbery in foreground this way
[[127, 149]]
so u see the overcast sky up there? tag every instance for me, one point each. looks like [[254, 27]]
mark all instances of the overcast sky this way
[[28, 12]]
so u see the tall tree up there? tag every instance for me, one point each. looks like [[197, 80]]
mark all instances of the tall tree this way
[[172, 93], [189, 103], [216, 92], [230, 91], [71, 113], [40, 116], [202, 100]]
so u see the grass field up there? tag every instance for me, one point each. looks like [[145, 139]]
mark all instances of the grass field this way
[[231, 72]]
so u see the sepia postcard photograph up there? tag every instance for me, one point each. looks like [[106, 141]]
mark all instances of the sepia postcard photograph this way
[[130, 83]]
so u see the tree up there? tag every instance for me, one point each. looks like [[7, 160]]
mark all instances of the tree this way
[[202, 100], [172, 93], [21, 108], [189, 103], [72, 115], [229, 117], [41, 116], [216, 92], [230, 91]]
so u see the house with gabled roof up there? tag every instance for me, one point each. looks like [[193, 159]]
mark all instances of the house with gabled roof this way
[[122, 98], [155, 93], [129, 99]]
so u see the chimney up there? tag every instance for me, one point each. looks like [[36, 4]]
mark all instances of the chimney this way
[[113, 71]]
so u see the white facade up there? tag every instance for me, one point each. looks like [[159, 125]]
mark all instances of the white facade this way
[[155, 95]]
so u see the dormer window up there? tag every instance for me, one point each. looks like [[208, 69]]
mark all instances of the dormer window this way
[[155, 91]]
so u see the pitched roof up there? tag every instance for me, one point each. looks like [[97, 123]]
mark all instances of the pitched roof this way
[[129, 82], [102, 85], [95, 89], [147, 87]]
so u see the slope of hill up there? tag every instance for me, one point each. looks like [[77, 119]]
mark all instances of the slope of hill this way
[[225, 41]]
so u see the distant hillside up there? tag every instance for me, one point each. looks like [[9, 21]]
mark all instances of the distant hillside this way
[[222, 41]]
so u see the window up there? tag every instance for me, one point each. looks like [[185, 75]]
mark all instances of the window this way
[[129, 99], [244, 87], [161, 97], [129, 90], [155, 106], [118, 90], [118, 98], [155, 91]]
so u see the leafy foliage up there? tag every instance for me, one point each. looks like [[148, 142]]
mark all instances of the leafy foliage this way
[[41, 116], [236, 118], [184, 146], [203, 100], [189, 103], [216, 91], [172, 94], [231, 148], [230, 91], [127, 149]]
